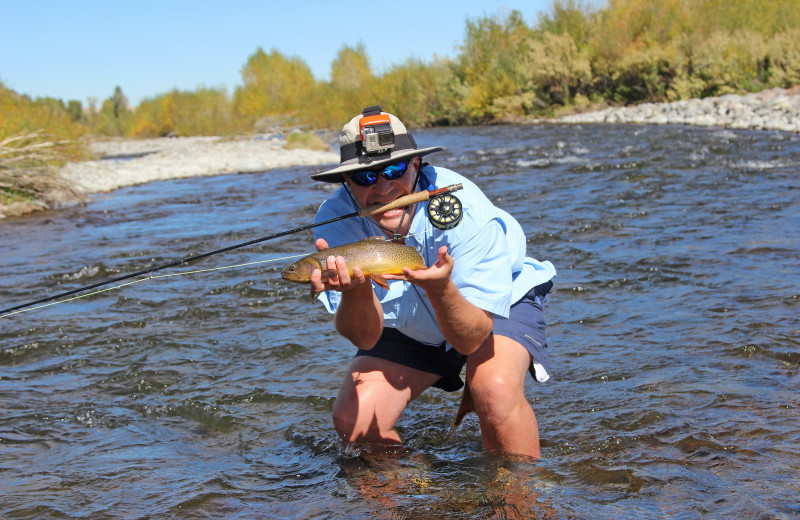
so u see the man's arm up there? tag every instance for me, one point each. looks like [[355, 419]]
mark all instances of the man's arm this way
[[359, 317], [462, 324]]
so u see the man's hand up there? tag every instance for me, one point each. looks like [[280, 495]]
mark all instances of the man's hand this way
[[335, 277], [433, 280], [462, 324]]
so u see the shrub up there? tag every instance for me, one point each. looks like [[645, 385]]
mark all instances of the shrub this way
[[644, 74], [492, 64], [28, 166], [729, 62], [205, 111], [557, 70], [579, 52], [420, 93], [306, 141], [20, 115], [784, 58]]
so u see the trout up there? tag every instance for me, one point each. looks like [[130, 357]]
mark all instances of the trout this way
[[374, 255]]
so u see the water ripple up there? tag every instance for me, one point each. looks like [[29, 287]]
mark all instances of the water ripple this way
[[674, 336]]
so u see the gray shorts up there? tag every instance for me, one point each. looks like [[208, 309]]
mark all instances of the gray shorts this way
[[525, 325]]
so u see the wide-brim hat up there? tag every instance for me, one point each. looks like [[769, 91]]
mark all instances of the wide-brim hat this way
[[354, 157]]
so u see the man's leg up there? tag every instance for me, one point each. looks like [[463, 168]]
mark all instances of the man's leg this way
[[373, 396], [496, 374]]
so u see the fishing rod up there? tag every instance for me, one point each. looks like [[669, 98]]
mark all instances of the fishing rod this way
[[448, 210]]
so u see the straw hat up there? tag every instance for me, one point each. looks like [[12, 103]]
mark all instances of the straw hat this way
[[354, 156]]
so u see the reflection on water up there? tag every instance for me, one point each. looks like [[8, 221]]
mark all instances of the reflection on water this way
[[674, 336], [410, 484]]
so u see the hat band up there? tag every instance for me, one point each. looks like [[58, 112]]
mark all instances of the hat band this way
[[351, 151]]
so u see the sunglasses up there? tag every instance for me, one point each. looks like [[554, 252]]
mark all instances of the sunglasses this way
[[370, 177]]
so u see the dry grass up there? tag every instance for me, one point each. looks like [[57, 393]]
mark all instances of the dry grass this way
[[28, 173], [306, 141]]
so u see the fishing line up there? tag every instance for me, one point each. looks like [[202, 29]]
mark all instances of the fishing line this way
[[363, 212], [151, 277], [168, 275]]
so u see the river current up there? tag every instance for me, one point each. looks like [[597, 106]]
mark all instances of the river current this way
[[673, 332]]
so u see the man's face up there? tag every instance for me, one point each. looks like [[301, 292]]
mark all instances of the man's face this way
[[384, 191]]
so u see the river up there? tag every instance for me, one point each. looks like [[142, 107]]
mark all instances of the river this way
[[673, 330]]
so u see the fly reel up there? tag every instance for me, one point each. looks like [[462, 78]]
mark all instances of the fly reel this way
[[445, 211]]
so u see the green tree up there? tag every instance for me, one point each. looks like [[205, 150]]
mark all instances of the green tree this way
[[75, 110], [557, 69], [119, 102], [114, 117], [651, 49]]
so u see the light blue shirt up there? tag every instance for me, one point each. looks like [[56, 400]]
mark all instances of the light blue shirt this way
[[491, 268]]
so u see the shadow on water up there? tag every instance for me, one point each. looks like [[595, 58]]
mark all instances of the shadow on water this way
[[673, 329]]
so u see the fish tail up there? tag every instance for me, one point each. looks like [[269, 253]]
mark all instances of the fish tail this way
[[467, 405]]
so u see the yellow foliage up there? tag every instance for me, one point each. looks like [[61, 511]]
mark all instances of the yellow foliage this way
[[204, 111], [492, 64], [557, 68], [306, 141], [21, 115], [784, 58], [730, 61], [350, 69], [621, 51], [572, 17], [273, 84], [418, 92]]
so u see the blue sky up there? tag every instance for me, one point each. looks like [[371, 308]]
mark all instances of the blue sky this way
[[83, 49]]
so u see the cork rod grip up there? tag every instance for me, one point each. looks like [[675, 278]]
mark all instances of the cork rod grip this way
[[405, 200]]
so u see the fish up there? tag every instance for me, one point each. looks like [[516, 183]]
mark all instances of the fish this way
[[467, 405], [376, 257]]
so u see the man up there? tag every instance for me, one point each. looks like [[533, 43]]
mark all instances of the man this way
[[481, 300]]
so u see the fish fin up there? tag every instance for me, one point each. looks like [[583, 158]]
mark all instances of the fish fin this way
[[382, 239], [312, 294], [380, 280], [467, 405]]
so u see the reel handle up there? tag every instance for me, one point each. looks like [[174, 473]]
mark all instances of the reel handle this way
[[407, 200]]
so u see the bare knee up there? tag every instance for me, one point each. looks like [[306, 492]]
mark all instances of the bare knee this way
[[344, 422], [360, 420], [496, 396], [496, 374]]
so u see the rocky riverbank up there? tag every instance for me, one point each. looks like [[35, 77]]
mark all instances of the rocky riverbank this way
[[774, 109], [125, 162]]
